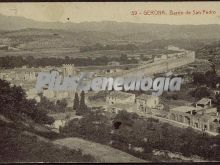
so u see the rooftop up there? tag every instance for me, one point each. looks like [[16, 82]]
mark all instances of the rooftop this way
[[203, 101], [184, 109], [123, 106], [145, 97], [121, 95]]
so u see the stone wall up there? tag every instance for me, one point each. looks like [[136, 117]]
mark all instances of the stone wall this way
[[159, 66]]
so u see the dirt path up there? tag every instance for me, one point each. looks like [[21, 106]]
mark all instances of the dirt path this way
[[102, 153]]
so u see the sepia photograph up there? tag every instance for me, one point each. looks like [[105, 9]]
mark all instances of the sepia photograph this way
[[109, 82]]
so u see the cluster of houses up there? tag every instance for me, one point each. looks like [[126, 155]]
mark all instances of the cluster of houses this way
[[118, 100], [203, 116], [26, 78]]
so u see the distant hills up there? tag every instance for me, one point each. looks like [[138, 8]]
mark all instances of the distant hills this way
[[58, 39], [127, 31]]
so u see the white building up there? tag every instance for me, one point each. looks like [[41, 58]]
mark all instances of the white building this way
[[61, 119], [32, 94], [118, 97], [204, 103], [68, 70], [145, 102]]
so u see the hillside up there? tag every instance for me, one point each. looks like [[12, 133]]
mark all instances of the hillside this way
[[24, 146], [102, 153], [24, 135]]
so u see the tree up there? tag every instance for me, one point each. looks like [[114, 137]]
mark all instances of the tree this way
[[211, 78], [202, 92], [76, 103], [61, 105], [217, 100], [199, 78], [82, 105], [126, 118]]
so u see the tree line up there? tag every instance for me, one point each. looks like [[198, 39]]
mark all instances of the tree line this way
[[8, 62]]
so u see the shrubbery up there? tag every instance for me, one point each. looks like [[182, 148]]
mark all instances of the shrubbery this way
[[14, 104]]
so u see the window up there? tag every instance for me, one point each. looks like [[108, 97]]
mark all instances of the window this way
[[181, 118], [196, 125], [211, 127], [172, 116]]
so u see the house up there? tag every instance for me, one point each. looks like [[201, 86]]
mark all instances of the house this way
[[32, 94], [61, 119], [183, 113], [4, 47], [116, 108], [118, 97], [48, 94], [61, 94], [204, 103], [205, 119], [68, 69], [112, 70], [145, 102]]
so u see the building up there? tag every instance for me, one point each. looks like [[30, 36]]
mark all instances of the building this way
[[32, 94], [114, 63], [204, 103], [61, 94], [68, 70], [48, 94], [4, 47], [116, 108], [174, 48], [118, 97], [159, 58], [112, 70], [205, 119], [61, 119], [145, 102]]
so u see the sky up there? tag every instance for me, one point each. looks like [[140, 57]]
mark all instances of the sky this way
[[114, 11]]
